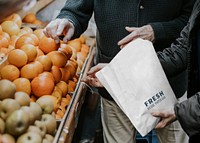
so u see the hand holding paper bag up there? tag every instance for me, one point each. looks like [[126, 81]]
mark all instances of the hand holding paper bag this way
[[91, 78], [136, 81]]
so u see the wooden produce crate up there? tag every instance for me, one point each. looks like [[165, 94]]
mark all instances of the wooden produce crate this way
[[69, 122]]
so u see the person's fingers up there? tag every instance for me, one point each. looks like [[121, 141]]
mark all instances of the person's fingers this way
[[51, 29], [70, 33], [95, 82], [129, 29], [133, 35], [161, 124], [161, 114], [128, 39], [57, 28], [64, 23], [93, 70]]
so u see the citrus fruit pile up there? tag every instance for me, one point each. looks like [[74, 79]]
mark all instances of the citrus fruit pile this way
[[39, 66]]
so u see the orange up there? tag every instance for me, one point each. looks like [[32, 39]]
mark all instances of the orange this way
[[17, 57], [58, 58], [39, 66], [39, 33], [42, 86], [15, 18], [63, 86], [80, 64], [66, 100], [13, 39], [76, 44], [81, 56], [3, 42], [82, 38], [71, 86], [60, 113], [10, 47], [45, 61], [10, 72], [57, 92], [57, 74], [27, 30], [40, 52], [73, 63], [75, 78], [37, 22], [65, 74], [47, 74], [69, 67], [4, 34], [34, 38], [22, 32], [23, 84], [10, 27], [85, 48], [66, 49], [29, 18], [24, 39], [74, 53], [31, 70], [56, 88], [48, 45], [4, 51], [62, 108], [30, 50]]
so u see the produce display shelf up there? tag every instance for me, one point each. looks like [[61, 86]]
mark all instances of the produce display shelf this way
[[67, 125], [69, 122]]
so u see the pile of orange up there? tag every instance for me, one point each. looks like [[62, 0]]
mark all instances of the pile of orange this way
[[38, 65]]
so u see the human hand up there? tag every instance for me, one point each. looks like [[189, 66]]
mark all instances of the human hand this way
[[91, 78], [166, 118], [145, 32], [59, 27]]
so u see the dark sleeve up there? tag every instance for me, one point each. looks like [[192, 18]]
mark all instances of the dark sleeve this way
[[188, 114], [174, 59], [79, 13], [171, 29]]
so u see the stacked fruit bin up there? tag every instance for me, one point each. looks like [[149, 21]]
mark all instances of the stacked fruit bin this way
[[44, 73]]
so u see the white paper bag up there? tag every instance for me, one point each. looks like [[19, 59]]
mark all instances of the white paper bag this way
[[136, 81]]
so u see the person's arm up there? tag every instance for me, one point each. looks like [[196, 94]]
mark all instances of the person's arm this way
[[78, 13], [171, 29], [188, 114], [175, 58], [173, 61], [160, 31]]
